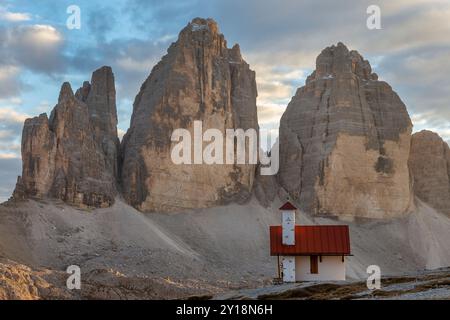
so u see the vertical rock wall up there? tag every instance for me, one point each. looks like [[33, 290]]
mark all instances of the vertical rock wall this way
[[345, 139], [198, 79], [430, 167]]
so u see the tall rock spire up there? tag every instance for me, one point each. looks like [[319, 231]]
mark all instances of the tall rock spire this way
[[101, 102], [198, 79], [345, 139]]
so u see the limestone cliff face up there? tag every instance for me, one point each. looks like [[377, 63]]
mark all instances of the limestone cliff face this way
[[65, 157], [430, 167], [345, 140], [100, 97], [38, 154], [198, 79]]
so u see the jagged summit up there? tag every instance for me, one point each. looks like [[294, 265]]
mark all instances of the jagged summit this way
[[65, 92], [339, 61], [83, 92], [203, 25], [73, 155], [205, 33]]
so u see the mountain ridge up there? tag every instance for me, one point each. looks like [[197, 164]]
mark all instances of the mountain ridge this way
[[344, 137]]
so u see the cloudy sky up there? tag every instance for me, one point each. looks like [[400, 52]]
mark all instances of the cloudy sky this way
[[280, 39]]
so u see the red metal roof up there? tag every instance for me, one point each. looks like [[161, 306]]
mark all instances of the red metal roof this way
[[312, 240], [288, 206]]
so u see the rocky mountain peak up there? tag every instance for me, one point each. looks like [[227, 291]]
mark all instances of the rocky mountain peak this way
[[73, 155], [65, 92], [83, 92], [202, 29], [199, 79], [339, 61], [235, 53], [345, 139], [100, 98], [102, 89], [204, 36]]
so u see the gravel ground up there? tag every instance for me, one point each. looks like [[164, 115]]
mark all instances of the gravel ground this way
[[208, 251]]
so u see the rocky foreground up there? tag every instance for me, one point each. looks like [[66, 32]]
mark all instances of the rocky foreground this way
[[123, 253], [422, 285], [20, 282]]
